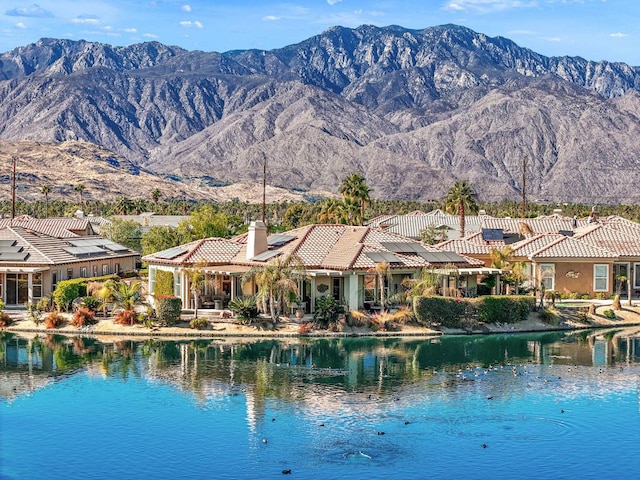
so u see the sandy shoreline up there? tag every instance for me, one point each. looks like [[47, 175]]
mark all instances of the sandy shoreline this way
[[290, 328]]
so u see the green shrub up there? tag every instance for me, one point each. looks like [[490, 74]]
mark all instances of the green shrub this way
[[198, 323], [92, 303], [244, 308], [610, 314], [547, 315], [168, 309], [326, 311], [445, 311], [505, 309], [68, 290], [164, 284]]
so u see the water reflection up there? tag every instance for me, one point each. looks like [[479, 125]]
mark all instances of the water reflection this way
[[299, 368]]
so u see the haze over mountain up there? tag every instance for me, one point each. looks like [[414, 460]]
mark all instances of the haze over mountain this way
[[412, 110]]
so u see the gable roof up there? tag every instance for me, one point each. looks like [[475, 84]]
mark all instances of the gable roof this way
[[59, 227], [612, 239], [560, 246], [42, 249], [328, 247]]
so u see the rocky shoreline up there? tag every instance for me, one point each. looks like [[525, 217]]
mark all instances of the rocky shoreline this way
[[290, 328]]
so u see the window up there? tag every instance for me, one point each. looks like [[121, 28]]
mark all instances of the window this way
[[69, 273], [177, 288], [116, 268], [95, 271], [105, 269], [636, 275], [36, 283], [600, 278], [55, 276], [548, 275], [83, 272]]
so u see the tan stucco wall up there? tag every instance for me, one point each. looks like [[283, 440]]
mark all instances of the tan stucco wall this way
[[584, 282]]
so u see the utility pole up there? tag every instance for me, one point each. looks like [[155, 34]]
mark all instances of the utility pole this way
[[524, 187], [13, 190], [264, 184]]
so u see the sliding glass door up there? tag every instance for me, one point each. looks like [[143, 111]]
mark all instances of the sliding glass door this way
[[17, 288]]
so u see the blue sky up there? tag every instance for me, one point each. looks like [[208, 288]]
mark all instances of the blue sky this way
[[592, 29]]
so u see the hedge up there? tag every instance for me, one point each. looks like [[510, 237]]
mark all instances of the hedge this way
[[168, 309], [68, 290], [164, 284], [464, 313], [505, 309]]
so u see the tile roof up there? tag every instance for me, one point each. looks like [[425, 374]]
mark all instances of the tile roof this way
[[331, 247], [65, 227], [612, 239], [47, 250], [546, 224], [568, 247]]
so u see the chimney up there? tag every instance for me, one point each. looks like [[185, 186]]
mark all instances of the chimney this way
[[256, 239]]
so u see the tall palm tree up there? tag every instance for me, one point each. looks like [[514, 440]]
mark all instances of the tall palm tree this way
[[461, 200], [383, 272], [45, 190], [354, 187], [155, 196], [80, 188], [331, 211], [277, 281]]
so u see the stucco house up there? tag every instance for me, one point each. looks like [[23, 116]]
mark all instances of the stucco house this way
[[339, 260], [32, 262]]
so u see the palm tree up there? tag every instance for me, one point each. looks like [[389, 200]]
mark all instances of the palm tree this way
[[459, 201], [125, 296], [79, 188], [155, 196], [45, 190], [196, 276], [354, 187], [383, 273], [277, 282], [331, 211]]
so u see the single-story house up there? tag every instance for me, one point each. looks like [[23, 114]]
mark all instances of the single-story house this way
[[32, 262], [339, 260]]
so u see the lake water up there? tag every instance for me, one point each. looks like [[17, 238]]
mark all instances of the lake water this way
[[544, 406]]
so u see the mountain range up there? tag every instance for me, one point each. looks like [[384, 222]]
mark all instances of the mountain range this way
[[412, 110]]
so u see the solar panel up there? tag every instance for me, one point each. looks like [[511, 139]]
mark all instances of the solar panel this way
[[403, 247], [10, 248], [442, 257], [85, 242], [84, 251], [264, 256], [115, 247], [279, 239], [492, 234], [13, 256], [379, 257], [170, 253]]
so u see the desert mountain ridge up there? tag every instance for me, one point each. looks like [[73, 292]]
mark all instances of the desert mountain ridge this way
[[412, 110]]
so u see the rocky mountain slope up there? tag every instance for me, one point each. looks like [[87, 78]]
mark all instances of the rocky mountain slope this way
[[413, 110]]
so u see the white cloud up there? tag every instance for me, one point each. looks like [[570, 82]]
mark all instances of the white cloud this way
[[34, 10], [618, 35], [333, 2], [270, 18], [131, 30], [86, 20], [485, 6], [520, 32], [186, 8], [190, 24], [150, 35], [20, 25], [553, 39]]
